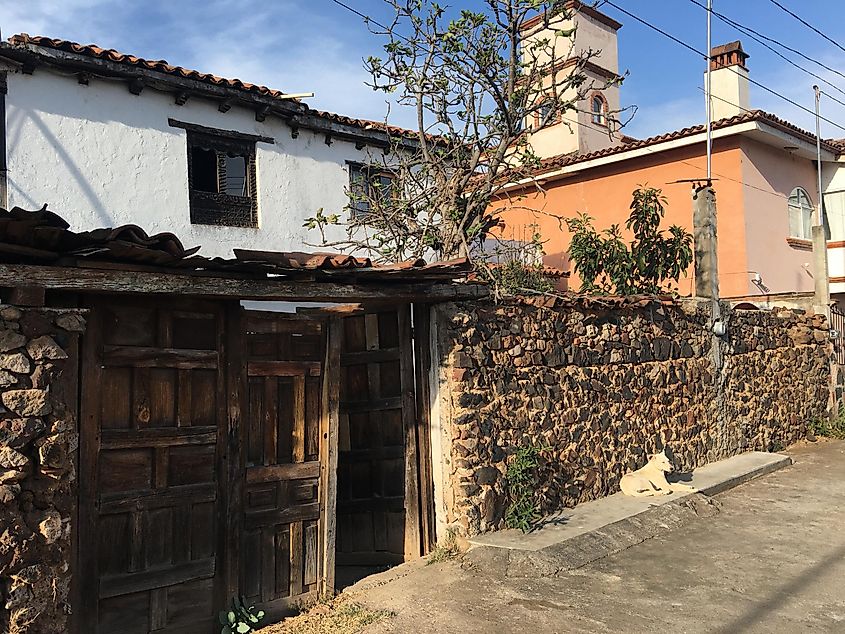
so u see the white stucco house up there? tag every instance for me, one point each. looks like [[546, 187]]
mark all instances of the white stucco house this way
[[107, 139]]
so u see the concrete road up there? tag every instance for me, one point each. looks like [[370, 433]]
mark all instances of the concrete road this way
[[773, 560]]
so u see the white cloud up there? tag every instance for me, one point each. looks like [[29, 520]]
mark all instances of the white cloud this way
[[282, 44]]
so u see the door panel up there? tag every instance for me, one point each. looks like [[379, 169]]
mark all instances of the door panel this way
[[377, 508], [149, 465], [280, 548]]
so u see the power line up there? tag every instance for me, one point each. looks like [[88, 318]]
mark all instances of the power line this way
[[808, 25], [746, 31], [648, 149], [698, 167], [707, 57], [795, 51]]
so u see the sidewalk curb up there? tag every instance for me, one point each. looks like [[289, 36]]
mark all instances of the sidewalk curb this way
[[615, 537]]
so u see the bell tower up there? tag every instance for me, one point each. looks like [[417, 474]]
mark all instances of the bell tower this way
[[589, 127]]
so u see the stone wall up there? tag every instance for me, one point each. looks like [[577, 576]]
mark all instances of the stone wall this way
[[600, 385], [38, 438]]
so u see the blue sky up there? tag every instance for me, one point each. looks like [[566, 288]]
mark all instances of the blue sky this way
[[318, 46]]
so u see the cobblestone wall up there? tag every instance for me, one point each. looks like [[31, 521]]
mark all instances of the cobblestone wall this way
[[599, 387], [38, 437]]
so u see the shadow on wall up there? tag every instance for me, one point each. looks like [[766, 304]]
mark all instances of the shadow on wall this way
[[90, 128], [15, 123]]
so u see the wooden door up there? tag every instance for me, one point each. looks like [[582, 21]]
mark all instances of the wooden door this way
[[280, 546], [377, 497], [153, 421]]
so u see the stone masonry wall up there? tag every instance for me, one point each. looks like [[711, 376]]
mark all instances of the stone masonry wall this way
[[38, 437], [600, 387]]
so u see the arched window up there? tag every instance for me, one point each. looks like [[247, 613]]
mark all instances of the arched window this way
[[598, 108], [800, 214]]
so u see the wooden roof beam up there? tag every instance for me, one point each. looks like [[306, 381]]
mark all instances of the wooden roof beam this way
[[144, 282]]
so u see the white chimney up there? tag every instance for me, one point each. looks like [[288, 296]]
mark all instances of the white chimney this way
[[728, 80]]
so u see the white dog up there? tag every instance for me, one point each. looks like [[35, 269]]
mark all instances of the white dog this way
[[651, 479]]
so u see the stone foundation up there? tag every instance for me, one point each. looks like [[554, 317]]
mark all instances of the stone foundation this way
[[598, 387], [38, 438]]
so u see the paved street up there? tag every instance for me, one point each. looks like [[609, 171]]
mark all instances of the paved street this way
[[773, 560]]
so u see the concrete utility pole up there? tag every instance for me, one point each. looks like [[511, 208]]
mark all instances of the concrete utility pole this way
[[704, 203], [706, 265], [820, 272], [708, 100]]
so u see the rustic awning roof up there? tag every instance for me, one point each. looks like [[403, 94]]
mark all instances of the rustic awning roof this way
[[42, 238]]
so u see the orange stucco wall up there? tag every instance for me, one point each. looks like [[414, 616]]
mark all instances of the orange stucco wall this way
[[605, 194]]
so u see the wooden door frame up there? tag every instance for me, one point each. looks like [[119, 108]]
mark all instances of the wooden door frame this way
[[232, 482], [422, 368], [329, 426]]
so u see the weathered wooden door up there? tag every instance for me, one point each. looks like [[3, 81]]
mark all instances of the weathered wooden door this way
[[153, 423], [280, 546], [378, 494]]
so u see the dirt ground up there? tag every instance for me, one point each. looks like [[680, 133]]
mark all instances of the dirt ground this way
[[773, 561]]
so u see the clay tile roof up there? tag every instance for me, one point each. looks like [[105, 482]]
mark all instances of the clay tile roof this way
[[161, 66], [628, 144], [43, 237], [367, 124], [730, 47]]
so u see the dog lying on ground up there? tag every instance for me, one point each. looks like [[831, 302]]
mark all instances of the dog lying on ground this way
[[651, 479]]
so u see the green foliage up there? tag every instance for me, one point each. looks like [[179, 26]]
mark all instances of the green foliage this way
[[523, 511], [241, 618], [516, 270], [829, 428], [606, 264], [515, 277]]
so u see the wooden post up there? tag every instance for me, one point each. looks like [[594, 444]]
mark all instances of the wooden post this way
[[231, 480], [88, 586], [27, 296], [409, 424], [329, 424], [422, 366]]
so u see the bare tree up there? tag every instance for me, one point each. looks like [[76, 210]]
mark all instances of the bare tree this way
[[481, 83]]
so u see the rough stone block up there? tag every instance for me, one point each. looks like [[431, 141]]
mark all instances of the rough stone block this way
[[9, 340], [10, 313], [15, 362], [28, 402], [71, 322], [45, 348]]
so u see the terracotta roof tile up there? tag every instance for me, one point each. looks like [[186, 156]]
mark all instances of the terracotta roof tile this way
[[162, 66], [367, 124], [628, 144], [44, 237]]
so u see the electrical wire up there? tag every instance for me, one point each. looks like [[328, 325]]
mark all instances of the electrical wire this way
[[698, 167], [648, 149], [760, 39], [778, 43], [707, 57], [808, 25]]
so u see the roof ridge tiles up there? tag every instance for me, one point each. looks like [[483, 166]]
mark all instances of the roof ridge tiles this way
[[24, 40]]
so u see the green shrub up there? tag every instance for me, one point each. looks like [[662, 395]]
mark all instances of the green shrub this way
[[829, 428], [241, 618], [523, 511]]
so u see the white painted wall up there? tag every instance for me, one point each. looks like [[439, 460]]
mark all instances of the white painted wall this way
[[729, 92], [100, 156]]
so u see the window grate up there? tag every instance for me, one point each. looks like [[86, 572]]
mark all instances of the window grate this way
[[222, 180]]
